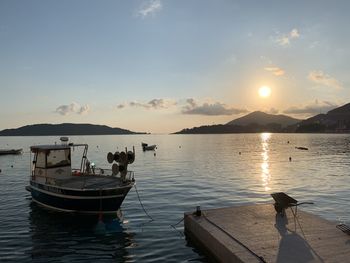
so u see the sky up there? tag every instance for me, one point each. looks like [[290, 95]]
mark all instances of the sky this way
[[163, 65]]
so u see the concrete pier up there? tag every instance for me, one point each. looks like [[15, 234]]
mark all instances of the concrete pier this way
[[255, 233]]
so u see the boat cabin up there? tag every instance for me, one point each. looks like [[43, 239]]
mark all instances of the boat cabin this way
[[53, 162]]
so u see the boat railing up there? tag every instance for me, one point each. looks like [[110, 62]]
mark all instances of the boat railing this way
[[104, 172], [127, 177]]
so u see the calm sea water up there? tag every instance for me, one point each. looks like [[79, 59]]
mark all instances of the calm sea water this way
[[188, 170]]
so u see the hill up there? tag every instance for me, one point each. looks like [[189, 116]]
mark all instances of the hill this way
[[224, 128], [262, 118], [251, 123], [65, 129], [336, 120]]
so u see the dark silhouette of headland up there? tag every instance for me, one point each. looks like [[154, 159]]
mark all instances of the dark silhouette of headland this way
[[65, 129], [334, 121]]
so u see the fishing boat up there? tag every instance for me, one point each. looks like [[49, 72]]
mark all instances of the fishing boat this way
[[54, 184], [10, 151], [146, 147]]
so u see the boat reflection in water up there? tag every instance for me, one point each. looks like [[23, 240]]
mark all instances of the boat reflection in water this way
[[75, 237], [265, 171]]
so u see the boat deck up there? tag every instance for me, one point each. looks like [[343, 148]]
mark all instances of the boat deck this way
[[89, 182]]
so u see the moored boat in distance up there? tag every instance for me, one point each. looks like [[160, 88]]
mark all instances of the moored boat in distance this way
[[56, 185], [301, 148], [10, 151], [146, 147]]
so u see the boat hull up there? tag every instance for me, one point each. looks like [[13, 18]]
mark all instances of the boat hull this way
[[149, 148], [12, 151], [104, 201]]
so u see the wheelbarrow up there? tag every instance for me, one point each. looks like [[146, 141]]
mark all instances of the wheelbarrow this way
[[284, 201]]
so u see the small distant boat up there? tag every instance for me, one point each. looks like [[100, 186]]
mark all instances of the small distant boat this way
[[146, 147], [56, 185], [10, 151], [301, 148]]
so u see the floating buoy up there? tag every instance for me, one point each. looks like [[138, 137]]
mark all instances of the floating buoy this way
[[239, 153], [11, 166], [154, 154], [290, 159]]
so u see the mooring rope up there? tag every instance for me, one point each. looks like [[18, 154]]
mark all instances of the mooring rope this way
[[138, 196], [235, 239], [174, 225]]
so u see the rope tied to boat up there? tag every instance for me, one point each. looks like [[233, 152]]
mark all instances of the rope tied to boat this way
[[138, 196], [174, 226], [100, 215]]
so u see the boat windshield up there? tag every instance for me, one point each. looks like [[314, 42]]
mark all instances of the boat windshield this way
[[56, 158]]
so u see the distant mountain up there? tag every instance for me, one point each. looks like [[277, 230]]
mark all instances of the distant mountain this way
[[224, 128], [262, 118], [65, 129], [251, 123], [336, 120], [342, 110]]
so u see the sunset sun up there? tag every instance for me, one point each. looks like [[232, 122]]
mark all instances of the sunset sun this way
[[264, 91]]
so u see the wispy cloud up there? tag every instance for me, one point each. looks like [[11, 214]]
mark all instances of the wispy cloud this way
[[211, 109], [121, 106], [189, 106], [150, 8], [152, 104], [275, 70], [313, 108], [84, 109], [319, 77], [285, 39], [273, 111], [72, 108]]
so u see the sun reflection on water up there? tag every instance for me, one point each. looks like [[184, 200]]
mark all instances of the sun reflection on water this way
[[265, 171]]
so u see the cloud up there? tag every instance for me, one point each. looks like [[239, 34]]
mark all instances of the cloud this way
[[152, 104], [192, 103], [121, 106], [321, 78], [313, 108], [275, 70], [285, 39], [211, 109], [294, 33], [150, 8], [273, 111], [161, 103], [84, 109], [189, 106], [72, 108]]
